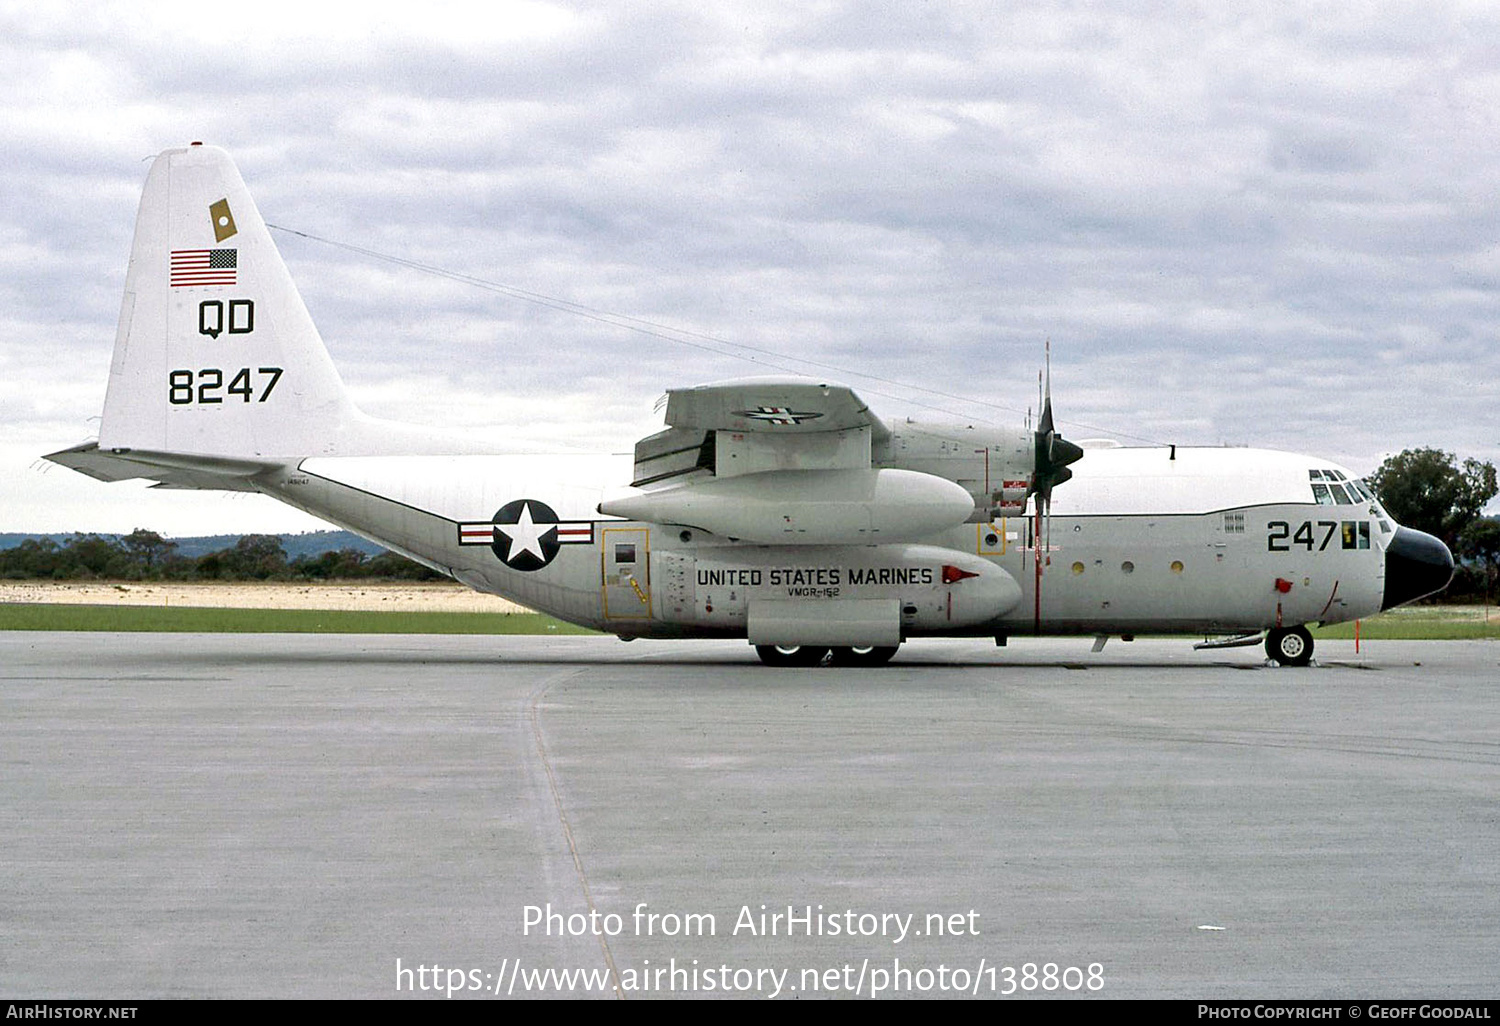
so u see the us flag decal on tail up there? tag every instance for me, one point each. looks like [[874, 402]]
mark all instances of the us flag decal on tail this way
[[204, 267]]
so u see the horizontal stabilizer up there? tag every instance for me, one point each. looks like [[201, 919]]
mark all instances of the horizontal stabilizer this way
[[170, 470]]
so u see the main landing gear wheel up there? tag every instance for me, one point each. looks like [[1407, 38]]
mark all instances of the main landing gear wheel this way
[[1290, 646], [868, 655], [791, 655]]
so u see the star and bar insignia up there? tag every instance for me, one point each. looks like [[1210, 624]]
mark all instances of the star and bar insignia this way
[[778, 415], [526, 534]]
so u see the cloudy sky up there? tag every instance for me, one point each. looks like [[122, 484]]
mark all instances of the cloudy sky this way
[[1278, 228]]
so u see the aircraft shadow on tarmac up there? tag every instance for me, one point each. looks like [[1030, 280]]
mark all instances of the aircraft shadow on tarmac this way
[[938, 661]]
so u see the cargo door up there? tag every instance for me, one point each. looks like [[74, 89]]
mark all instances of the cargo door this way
[[626, 573]]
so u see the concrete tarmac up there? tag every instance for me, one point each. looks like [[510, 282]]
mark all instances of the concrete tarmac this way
[[336, 816]]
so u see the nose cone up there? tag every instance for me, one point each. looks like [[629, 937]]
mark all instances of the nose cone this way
[[1416, 564]]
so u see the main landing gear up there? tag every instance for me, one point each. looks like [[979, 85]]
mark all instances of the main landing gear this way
[[813, 655], [1290, 646]]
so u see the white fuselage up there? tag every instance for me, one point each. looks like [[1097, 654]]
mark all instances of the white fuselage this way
[[1185, 540]]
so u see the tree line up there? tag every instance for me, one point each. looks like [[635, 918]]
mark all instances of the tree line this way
[[1429, 490], [145, 555]]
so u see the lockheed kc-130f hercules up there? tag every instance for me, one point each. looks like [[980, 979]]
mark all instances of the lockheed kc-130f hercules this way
[[781, 511]]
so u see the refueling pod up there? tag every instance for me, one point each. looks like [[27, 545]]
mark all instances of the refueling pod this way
[[804, 507]]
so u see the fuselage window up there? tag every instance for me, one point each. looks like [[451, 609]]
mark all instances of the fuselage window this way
[[625, 552]]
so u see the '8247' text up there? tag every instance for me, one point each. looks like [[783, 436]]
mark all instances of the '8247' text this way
[[208, 386]]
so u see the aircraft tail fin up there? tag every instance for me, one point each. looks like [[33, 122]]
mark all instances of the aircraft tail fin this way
[[216, 355]]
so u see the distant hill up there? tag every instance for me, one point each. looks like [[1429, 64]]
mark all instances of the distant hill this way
[[312, 543]]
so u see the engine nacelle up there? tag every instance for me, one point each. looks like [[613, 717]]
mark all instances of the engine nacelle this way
[[993, 465]]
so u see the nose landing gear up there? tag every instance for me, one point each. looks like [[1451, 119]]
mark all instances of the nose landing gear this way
[[1290, 646]]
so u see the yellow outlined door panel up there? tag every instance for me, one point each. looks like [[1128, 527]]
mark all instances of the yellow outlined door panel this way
[[626, 573]]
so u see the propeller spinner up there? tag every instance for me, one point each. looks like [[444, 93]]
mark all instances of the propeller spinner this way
[[1053, 454]]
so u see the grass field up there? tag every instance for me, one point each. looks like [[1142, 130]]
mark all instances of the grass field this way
[[60, 617], [1423, 623], [1431, 623]]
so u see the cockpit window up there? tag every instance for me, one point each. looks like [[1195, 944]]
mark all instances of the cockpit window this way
[[1340, 489]]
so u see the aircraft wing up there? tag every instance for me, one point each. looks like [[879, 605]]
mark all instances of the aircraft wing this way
[[781, 461], [758, 424], [780, 406]]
